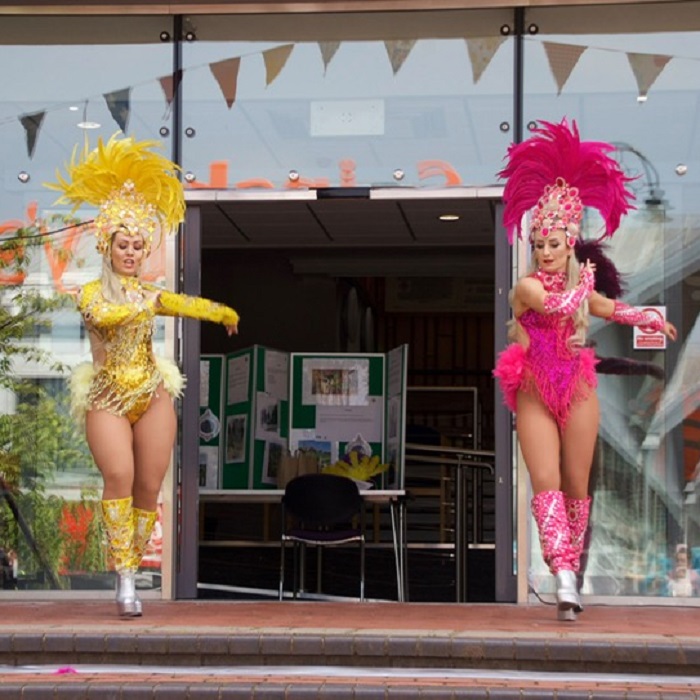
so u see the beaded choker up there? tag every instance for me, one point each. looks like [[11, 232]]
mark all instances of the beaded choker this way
[[552, 282]]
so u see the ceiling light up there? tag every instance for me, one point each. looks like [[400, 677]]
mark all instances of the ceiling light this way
[[73, 108], [449, 217], [641, 98], [86, 123]]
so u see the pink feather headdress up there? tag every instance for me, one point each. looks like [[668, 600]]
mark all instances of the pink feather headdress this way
[[557, 175]]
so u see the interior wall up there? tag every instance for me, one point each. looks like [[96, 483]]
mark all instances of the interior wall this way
[[278, 309]]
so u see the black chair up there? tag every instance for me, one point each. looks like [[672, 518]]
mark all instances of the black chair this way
[[322, 508]]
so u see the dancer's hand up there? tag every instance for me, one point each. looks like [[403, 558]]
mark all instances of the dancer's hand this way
[[588, 265], [232, 329], [670, 331]]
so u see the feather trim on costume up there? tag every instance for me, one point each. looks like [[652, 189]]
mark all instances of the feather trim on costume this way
[[554, 152], [173, 380], [79, 384], [608, 279], [509, 372]]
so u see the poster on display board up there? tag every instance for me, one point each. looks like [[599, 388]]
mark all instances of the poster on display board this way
[[255, 404], [211, 368], [340, 402]]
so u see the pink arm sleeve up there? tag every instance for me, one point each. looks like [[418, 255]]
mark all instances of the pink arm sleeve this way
[[566, 303], [630, 316]]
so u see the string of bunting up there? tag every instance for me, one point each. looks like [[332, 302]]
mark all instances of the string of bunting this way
[[562, 59]]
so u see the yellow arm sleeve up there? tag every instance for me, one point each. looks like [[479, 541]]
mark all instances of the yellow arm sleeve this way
[[171, 304]]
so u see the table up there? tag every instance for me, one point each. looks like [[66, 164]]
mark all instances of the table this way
[[394, 498]]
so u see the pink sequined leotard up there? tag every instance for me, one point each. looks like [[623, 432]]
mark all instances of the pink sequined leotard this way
[[549, 366]]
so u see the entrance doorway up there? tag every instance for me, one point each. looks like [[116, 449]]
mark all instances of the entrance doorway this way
[[366, 270]]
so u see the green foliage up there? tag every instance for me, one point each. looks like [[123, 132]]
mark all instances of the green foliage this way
[[39, 438], [20, 314]]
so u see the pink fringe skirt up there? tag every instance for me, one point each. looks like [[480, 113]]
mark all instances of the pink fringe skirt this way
[[575, 379]]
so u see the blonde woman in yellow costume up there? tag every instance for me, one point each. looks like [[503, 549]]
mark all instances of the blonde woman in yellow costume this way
[[125, 396]]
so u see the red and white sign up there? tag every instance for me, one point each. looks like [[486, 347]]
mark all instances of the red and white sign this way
[[645, 338]]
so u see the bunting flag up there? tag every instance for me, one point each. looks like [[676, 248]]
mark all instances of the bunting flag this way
[[32, 125], [226, 74], [647, 68], [275, 60], [562, 60], [119, 105], [171, 84], [398, 52], [481, 51], [328, 49]]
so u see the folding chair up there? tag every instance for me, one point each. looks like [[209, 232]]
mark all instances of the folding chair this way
[[322, 508]]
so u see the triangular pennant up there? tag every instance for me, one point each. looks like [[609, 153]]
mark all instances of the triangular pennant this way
[[226, 74], [398, 51], [32, 125], [562, 60], [328, 49], [170, 84], [275, 60], [119, 105], [481, 51], [647, 68]]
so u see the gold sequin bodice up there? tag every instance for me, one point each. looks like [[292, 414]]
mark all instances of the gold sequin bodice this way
[[121, 338]]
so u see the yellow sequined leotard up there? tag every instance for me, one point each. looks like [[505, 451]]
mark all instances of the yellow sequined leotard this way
[[126, 373]]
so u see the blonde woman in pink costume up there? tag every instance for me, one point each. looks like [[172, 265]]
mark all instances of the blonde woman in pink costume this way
[[547, 375]]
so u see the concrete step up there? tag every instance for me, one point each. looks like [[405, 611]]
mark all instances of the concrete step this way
[[223, 649]]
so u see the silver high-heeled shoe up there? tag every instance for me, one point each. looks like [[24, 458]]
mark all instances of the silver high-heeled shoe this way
[[128, 602], [568, 600]]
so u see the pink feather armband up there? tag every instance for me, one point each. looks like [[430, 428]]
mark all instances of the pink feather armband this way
[[629, 316]]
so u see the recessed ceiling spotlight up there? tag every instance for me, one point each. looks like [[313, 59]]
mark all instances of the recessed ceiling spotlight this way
[[449, 217], [89, 125], [73, 108], [641, 98]]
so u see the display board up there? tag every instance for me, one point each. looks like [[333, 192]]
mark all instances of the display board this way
[[340, 402], [255, 409], [257, 404]]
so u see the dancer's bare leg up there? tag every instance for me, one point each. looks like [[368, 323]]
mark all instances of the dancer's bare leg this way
[[538, 435], [578, 445], [110, 440], [154, 437]]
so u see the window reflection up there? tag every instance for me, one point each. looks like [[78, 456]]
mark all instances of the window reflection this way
[[631, 86]]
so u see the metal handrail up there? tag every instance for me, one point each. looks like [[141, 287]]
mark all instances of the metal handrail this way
[[458, 457]]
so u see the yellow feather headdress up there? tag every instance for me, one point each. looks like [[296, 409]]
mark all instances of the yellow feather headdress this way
[[136, 189]]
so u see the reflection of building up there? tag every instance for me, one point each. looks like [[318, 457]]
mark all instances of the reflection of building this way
[[277, 116]]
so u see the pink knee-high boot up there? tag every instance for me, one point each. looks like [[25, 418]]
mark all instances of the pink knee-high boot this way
[[577, 513], [550, 515]]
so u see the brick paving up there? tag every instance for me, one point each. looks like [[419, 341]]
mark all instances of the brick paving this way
[[492, 645]]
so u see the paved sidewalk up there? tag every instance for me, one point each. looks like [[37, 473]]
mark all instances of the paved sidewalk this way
[[207, 649]]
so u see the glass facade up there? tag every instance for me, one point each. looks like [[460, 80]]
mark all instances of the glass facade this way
[[50, 532], [418, 99], [630, 81]]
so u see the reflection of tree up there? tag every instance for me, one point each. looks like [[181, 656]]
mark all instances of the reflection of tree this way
[[35, 442], [39, 438]]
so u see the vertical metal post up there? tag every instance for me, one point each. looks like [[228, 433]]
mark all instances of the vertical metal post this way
[[506, 585], [187, 545]]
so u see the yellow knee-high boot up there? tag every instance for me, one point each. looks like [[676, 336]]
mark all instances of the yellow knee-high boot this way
[[144, 521], [119, 524]]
